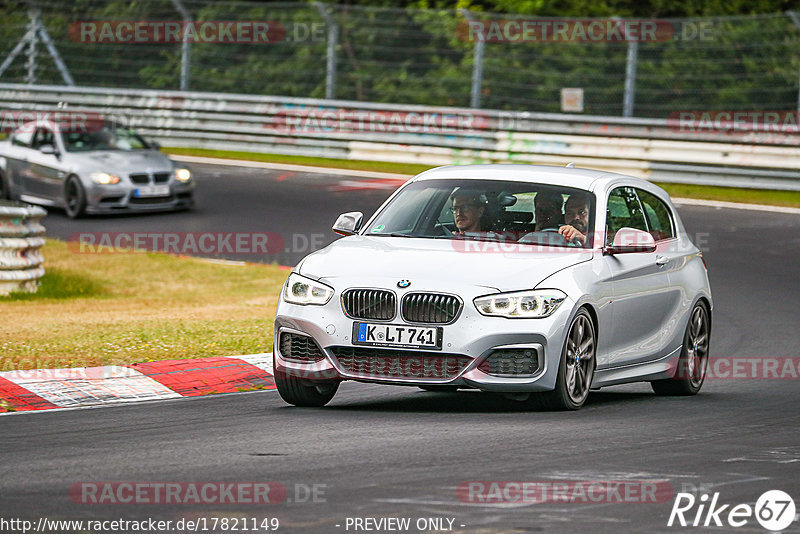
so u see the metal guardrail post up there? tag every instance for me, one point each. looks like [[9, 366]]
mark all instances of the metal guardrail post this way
[[186, 46], [20, 243], [333, 41], [477, 64]]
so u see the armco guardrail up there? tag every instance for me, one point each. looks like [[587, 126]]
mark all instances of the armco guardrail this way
[[661, 150], [20, 247]]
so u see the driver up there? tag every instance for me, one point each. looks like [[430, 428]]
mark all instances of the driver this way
[[547, 207], [576, 214], [468, 208]]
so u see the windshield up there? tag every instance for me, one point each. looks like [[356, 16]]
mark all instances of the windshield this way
[[520, 212], [109, 137]]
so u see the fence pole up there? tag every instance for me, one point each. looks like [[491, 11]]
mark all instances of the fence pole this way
[[796, 20], [630, 78], [477, 63], [33, 27], [48, 43], [333, 40], [17, 49], [186, 46], [477, 75], [36, 30]]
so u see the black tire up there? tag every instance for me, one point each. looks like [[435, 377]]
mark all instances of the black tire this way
[[575, 369], [305, 393], [693, 361], [439, 389], [5, 193], [74, 198]]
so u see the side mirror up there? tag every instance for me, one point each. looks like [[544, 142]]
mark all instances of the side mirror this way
[[48, 149], [629, 240], [348, 223]]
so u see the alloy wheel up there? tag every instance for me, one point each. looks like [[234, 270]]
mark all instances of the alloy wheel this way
[[580, 359], [697, 347]]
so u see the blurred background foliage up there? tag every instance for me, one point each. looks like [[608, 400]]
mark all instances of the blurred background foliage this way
[[728, 55]]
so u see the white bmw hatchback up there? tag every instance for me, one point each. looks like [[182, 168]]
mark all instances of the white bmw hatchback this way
[[529, 281]]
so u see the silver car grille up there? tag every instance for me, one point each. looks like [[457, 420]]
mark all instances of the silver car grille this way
[[391, 363], [143, 178], [434, 308], [511, 362], [376, 304]]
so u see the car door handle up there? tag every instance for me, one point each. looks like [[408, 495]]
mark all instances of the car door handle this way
[[662, 260]]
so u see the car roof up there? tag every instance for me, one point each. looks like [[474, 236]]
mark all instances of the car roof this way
[[58, 126], [32, 125], [588, 179]]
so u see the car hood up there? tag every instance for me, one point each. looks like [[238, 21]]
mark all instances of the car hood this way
[[436, 262], [121, 161]]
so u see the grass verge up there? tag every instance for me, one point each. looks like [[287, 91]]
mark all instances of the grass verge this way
[[104, 309], [769, 197], [335, 163], [704, 192]]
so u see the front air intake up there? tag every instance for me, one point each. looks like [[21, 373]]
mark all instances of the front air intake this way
[[299, 348], [511, 362], [367, 362]]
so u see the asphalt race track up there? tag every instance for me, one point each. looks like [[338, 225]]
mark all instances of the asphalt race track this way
[[379, 451], [298, 209]]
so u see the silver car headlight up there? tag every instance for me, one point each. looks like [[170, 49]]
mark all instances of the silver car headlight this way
[[183, 175], [104, 178], [302, 290], [531, 304]]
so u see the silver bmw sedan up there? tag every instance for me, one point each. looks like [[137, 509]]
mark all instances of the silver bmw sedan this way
[[537, 283], [90, 167]]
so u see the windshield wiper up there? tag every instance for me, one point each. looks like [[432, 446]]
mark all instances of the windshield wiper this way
[[392, 234], [398, 234]]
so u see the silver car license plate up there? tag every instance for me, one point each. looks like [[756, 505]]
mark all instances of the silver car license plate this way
[[395, 335], [152, 191]]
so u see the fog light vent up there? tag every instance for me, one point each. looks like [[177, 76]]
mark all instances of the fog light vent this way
[[511, 362], [299, 348]]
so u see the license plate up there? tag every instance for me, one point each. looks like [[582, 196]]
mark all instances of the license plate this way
[[394, 335], [152, 191]]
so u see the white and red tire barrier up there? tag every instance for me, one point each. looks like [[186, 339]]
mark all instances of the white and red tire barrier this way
[[20, 243]]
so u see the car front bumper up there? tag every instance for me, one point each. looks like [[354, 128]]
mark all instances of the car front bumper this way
[[472, 335], [122, 197]]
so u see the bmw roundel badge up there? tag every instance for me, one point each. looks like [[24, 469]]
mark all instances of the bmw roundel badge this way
[[403, 284]]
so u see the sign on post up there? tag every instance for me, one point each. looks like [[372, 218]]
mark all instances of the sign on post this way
[[572, 99]]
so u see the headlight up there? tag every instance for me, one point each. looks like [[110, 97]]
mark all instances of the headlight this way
[[521, 304], [104, 178], [302, 290], [183, 175]]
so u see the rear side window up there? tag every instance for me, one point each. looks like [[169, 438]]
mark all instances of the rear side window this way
[[659, 217], [43, 137], [624, 211], [22, 138]]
